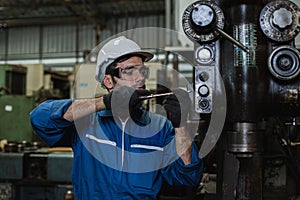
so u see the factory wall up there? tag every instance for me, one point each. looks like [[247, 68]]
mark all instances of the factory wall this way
[[64, 41]]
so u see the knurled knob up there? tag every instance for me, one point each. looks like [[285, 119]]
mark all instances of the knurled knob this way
[[282, 18]]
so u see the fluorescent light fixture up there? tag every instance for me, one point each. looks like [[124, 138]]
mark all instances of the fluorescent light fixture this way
[[61, 61], [44, 61]]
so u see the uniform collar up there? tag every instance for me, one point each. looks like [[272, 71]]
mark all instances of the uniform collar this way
[[105, 113]]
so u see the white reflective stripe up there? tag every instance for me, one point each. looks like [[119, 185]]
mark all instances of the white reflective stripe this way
[[142, 146], [100, 140]]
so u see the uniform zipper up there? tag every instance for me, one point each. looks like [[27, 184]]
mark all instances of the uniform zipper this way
[[123, 140]]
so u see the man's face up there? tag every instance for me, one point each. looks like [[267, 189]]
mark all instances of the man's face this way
[[132, 73]]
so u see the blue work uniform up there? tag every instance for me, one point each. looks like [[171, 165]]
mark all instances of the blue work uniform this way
[[115, 159]]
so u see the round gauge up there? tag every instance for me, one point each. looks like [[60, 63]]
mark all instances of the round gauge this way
[[201, 19], [284, 63], [279, 20]]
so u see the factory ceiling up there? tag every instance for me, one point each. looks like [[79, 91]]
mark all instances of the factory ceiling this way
[[34, 12]]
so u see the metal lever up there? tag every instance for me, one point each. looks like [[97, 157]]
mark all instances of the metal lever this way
[[234, 41], [155, 95]]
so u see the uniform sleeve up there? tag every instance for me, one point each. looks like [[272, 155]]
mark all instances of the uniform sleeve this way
[[48, 122], [177, 173]]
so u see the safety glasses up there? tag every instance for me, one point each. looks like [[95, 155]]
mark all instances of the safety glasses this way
[[131, 72]]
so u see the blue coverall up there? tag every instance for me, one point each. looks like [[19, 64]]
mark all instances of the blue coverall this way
[[113, 159]]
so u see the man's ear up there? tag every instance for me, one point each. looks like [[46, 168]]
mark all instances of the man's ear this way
[[108, 82]]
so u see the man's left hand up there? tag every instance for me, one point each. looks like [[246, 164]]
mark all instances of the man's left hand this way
[[177, 107]]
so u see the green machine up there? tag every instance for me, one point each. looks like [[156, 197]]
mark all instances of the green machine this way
[[12, 80], [14, 118], [14, 105]]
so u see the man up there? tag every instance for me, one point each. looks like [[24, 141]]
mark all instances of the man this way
[[121, 151]]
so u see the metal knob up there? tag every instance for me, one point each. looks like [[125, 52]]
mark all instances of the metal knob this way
[[203, 15], [282, 18], [203, 91], [204, 104], [203, 76], [200, 20], [285, 63]]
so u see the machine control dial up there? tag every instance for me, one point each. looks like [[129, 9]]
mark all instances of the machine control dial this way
[[202, 20], [203, 91], [279, 20]]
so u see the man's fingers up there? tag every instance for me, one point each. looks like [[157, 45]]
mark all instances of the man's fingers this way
[[143, 92]]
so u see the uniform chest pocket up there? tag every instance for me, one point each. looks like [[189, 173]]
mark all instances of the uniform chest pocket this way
[[144, 156]]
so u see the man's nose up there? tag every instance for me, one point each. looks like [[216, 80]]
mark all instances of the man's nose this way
[[139, 77]]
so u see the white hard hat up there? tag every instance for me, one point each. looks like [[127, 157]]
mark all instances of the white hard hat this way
[[115, 49]]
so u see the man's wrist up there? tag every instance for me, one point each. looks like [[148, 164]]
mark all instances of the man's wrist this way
[[106, 101], [183, 144], [100, 105]]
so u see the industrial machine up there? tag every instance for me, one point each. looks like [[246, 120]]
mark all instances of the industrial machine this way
[[35, 173], [251, 46], [28, 170], [14, 104], [245, 56]]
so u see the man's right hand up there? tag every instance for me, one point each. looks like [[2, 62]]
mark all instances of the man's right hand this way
[[125, 98], [177, 106]]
